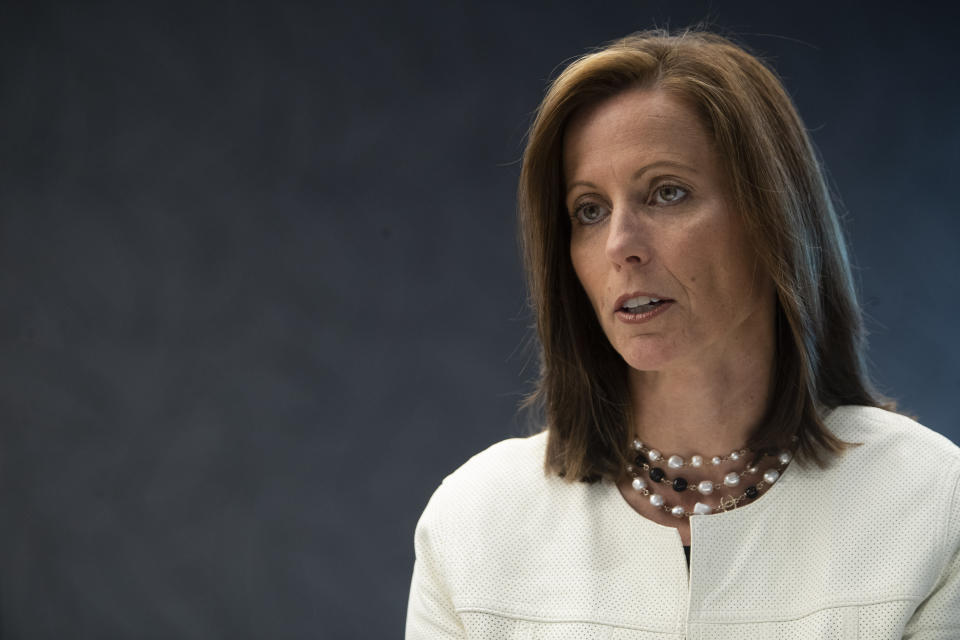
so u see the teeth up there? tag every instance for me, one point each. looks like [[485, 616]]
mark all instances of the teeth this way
[[640, 301]]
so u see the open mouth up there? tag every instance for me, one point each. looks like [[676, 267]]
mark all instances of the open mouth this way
[[642, 304], [643, 308]]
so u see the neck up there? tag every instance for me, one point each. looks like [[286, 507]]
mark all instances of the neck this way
[[728, 401]]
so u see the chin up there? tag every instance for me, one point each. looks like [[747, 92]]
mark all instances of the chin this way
[[647, 359], [645, 366]]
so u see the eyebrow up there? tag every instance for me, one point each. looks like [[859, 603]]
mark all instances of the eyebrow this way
[[638, 173]]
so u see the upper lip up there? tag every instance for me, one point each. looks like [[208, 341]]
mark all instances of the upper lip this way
[[627, 296]]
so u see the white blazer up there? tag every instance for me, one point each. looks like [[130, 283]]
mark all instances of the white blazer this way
[[867, 548]]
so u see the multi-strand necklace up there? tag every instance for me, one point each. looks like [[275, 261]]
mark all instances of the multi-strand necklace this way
[[651, 461]]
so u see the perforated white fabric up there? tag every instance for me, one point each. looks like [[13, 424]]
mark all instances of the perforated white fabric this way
[[868, 548]]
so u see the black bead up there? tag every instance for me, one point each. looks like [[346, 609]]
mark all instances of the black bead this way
[[656, 474], [640, 460], [679, 484], [752, 492]]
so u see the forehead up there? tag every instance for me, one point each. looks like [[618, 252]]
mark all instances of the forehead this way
[[638, 125]]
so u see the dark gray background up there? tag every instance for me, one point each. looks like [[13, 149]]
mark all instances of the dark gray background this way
[[261, 290]]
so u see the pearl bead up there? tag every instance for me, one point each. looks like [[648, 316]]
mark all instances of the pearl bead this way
[[656, 500], [770, 476], [637, 445], [639, 484], [785, 457], [752, 470], [654, 455], [715, 460], [705, 487], [734, 455], [701, 509], [675, 462], [696, 461], [677, 511], [732, 479]]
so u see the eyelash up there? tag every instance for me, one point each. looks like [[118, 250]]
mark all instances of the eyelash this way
[[575, 216]]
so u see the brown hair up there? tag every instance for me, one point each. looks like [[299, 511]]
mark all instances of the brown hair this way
[[777, 186]]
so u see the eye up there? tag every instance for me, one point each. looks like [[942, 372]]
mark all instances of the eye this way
[[589, 213], [669, 194]]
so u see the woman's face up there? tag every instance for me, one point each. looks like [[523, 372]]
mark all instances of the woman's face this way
[[651, 219]]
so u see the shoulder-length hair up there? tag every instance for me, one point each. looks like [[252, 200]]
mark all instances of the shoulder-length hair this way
[[778, 188]]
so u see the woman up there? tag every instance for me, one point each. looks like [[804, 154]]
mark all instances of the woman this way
[[703, 385]]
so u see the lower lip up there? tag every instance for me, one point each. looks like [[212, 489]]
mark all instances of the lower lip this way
[[636, 318]]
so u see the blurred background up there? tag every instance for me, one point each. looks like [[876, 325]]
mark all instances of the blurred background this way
[[261, 291]]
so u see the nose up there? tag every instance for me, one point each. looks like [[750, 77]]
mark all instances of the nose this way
[[628, 238]]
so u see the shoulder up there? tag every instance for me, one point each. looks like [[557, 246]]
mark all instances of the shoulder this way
[[492, 504], [500, 519], [900, 467], [507, 472], [911, 478], [502, 461], [892, 438]]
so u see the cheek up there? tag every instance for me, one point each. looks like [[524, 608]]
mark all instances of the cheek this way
[[694, 261], [578, 258], [709, 256], [576, 264], [588, 272]]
